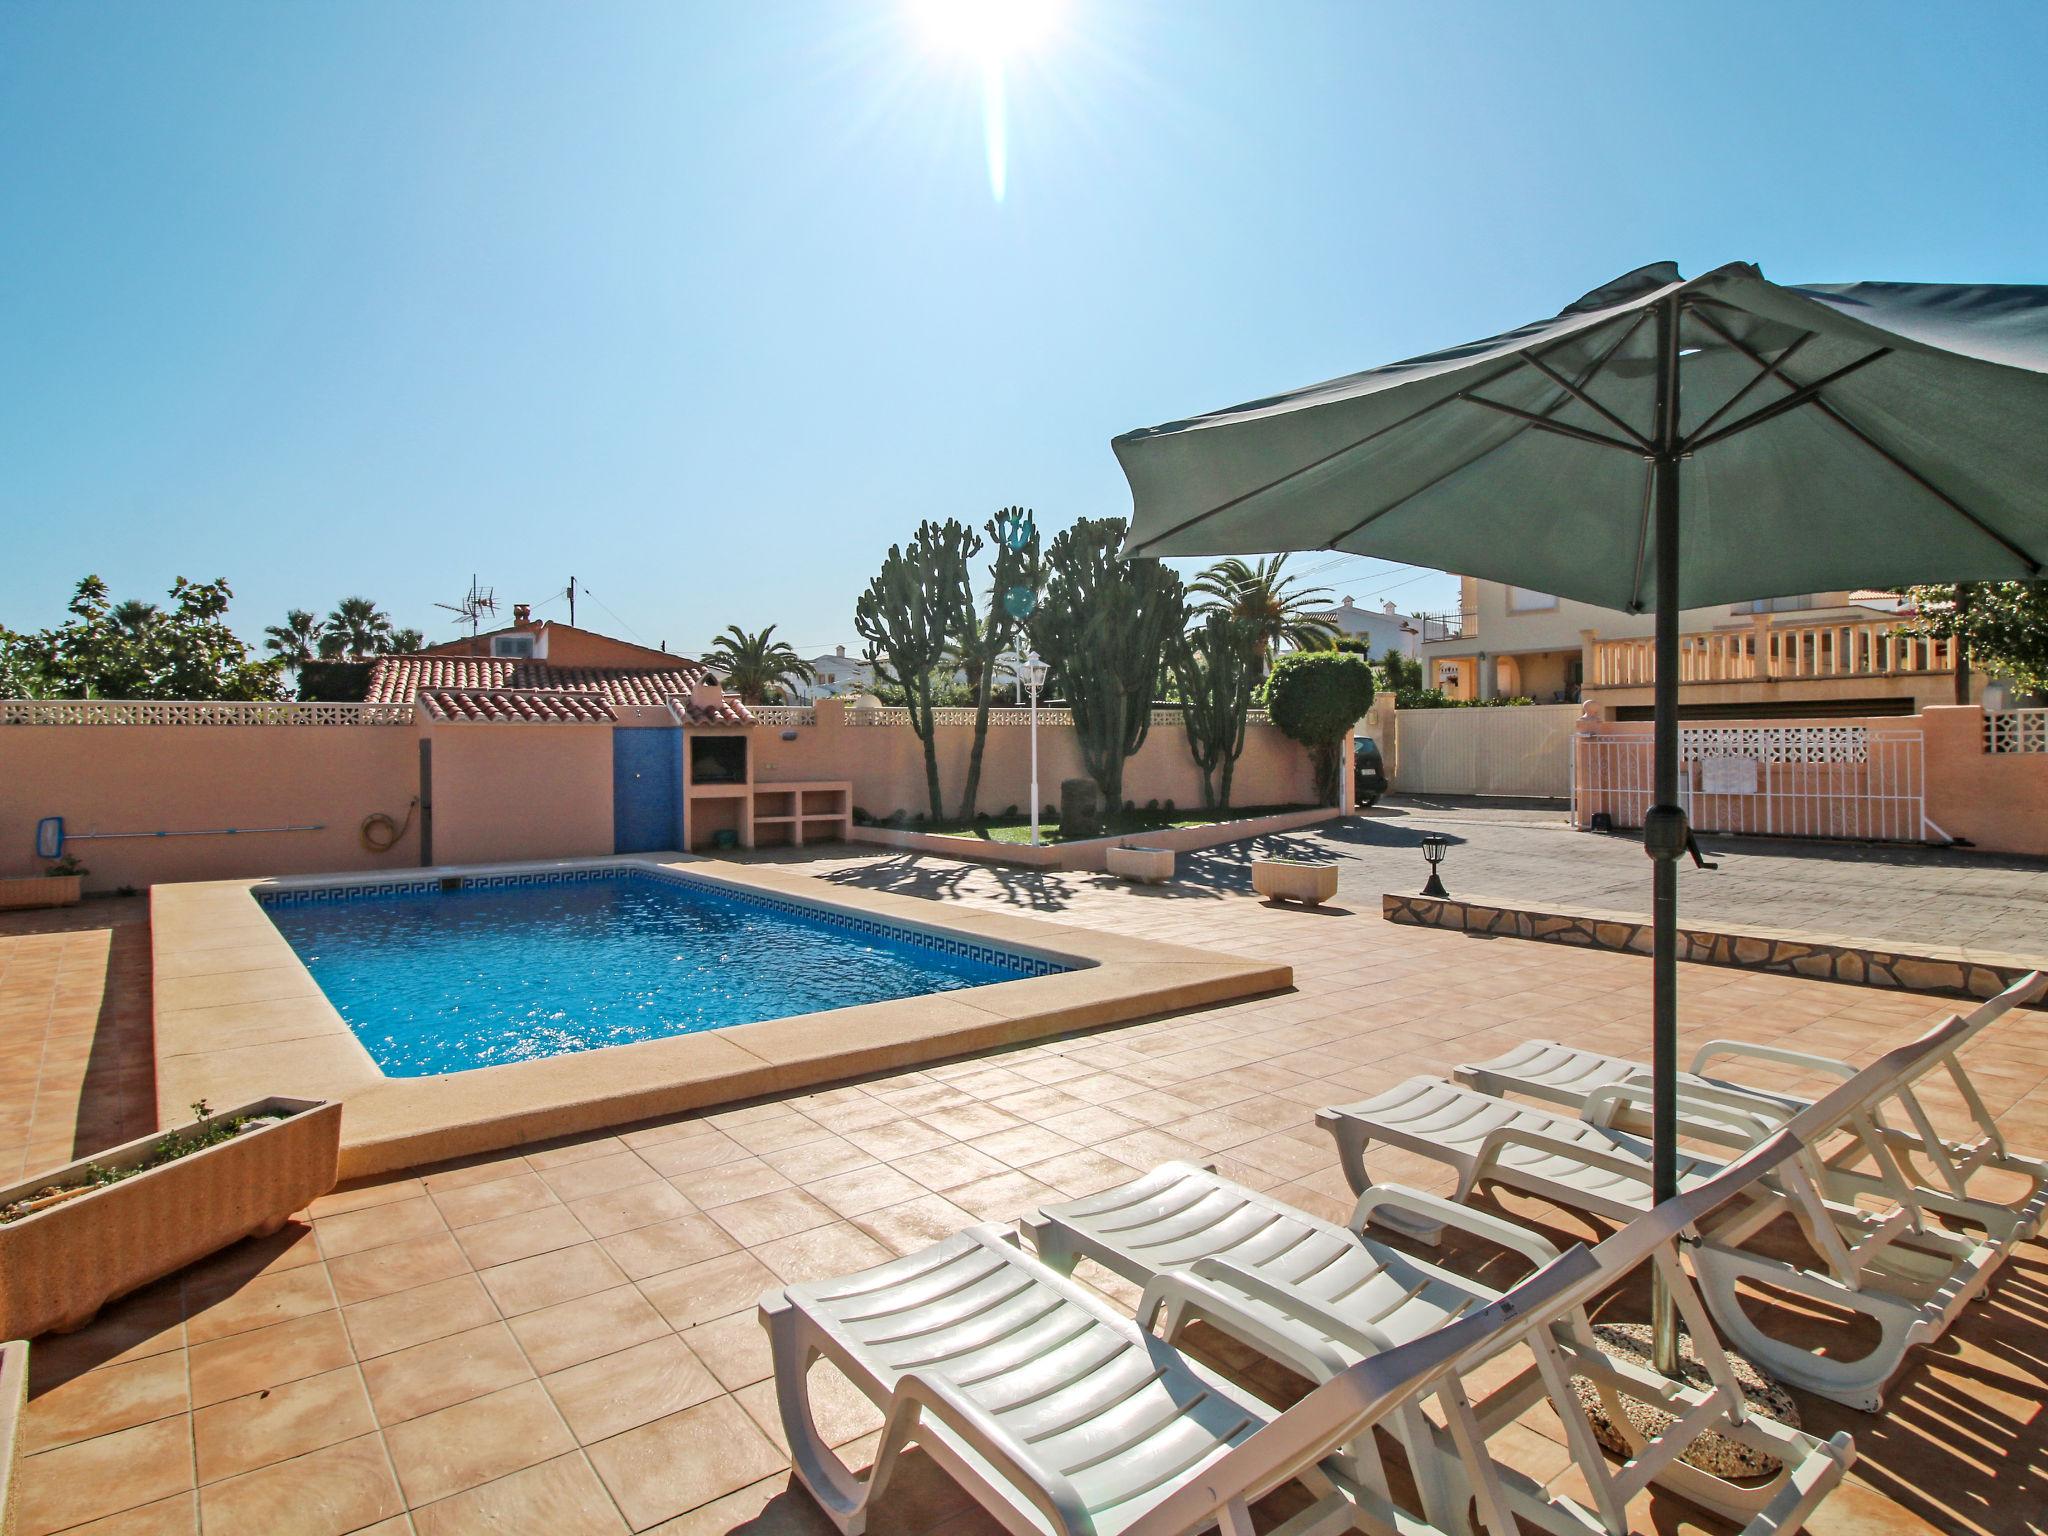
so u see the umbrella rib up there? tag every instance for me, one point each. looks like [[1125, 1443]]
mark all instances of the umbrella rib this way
[[1545, 424], [1635, 591], [1810, 393], [1585, 378], [1804, 394], [1768, 370], [1833, 414], [1333, 454], [1583, 398], [1379, 432], [1428, 485]]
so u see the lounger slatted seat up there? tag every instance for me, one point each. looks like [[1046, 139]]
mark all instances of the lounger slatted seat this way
[[1931, 1170], [1910, 1279], [1012, 1368], [1318, 1297], [1268, 1258], [1061, 1416], [1589, 1167]]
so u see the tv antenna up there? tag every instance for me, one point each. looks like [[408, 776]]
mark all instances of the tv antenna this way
[[477, 602]]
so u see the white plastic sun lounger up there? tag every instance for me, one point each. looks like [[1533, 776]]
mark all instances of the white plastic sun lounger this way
[[1319, 1298], [1909, 1279], [1061, 1416], [1577, 1079], [1270, 1259]]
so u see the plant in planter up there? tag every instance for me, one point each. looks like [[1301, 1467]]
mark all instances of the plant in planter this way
[[76, 1238], [61, 884]]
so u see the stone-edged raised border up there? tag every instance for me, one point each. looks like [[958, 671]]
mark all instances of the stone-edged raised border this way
[[238, 1017], [1943, 972], [1091, 854]]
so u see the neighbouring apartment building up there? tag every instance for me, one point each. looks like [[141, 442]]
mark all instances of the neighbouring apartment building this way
[[1821, 653]]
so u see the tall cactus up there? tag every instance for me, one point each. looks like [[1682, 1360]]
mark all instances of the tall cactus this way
[[1217, 666], [1103, 627], [909, 613], [1018, 566]]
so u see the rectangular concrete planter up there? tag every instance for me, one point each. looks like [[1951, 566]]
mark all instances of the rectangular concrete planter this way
[[1147, 866], [61, 1264], [1294, 880], [17, 891], [13, 1401]]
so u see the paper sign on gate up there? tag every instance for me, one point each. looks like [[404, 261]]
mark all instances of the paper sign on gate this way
[[1728, 776]]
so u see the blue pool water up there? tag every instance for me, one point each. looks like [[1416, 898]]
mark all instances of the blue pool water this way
[[441, 981]]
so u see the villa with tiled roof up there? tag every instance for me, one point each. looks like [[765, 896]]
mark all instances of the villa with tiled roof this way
[[488, 688], [548, 672]]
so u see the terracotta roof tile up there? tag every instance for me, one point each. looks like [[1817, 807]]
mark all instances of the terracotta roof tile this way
[[546, 706], [731, 712], [399, 679]]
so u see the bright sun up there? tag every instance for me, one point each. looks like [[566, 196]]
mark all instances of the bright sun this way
[[989, 33], [986, 29]]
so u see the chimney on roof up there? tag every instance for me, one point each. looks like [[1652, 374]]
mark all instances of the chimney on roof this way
[[522, 613], [1347, 603], [841, 649], [707, 692], [1390, 608]]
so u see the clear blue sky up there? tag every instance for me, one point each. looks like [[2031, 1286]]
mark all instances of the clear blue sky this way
[[707, 304]]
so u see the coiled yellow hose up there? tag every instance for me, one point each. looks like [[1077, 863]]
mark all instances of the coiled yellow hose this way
[[378, 842]]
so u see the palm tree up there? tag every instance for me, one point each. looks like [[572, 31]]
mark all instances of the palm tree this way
[[297, 639], [1275, 608], [357, 627], [134, 616], [405, 641], [753, 664]]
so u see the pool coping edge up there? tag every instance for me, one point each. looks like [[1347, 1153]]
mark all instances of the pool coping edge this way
[[236, 1012]]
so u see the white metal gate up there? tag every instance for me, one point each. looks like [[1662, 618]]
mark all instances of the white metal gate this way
[[1862, 782], [1521, 749]]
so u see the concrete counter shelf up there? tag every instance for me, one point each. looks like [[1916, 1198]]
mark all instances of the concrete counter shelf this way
[[71, 1254]]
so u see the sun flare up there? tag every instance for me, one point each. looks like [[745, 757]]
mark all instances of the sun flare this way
[[986, 29], [989, 34]]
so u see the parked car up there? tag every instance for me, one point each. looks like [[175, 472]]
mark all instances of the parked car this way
[[1368, 771]]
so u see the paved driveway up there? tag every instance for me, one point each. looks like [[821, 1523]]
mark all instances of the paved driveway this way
[[1901, 896]]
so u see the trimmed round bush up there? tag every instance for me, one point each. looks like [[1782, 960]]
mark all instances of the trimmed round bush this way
[[1317, 698]]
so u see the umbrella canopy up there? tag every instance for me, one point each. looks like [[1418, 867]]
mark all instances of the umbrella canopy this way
[[1830, 436], [1661, 442]]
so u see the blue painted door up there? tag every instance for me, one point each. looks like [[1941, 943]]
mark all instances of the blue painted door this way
[[647, 765]]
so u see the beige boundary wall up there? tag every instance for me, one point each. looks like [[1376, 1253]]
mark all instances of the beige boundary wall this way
[[203, 778], [497, 791], [885, 762]]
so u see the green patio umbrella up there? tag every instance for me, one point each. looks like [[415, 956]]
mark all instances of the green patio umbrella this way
[[1662, 442]]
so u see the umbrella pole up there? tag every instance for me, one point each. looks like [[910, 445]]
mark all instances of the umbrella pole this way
[[1664, 828]]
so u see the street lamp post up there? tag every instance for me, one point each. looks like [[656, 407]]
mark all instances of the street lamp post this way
[[1034, 679]]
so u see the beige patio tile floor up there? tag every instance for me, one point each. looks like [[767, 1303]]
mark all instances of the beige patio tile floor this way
[[561, 1339]]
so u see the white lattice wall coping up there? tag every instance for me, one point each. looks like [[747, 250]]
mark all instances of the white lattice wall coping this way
[[1776, 743], [189, 712], [2016, 730], [783, 714]]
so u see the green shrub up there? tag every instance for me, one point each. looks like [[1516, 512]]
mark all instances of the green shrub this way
[[1317, 698]]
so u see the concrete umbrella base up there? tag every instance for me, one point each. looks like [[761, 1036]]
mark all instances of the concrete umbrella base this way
[[1710, 1452]]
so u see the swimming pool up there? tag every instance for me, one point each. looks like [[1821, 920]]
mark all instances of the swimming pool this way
[[505, 968]]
